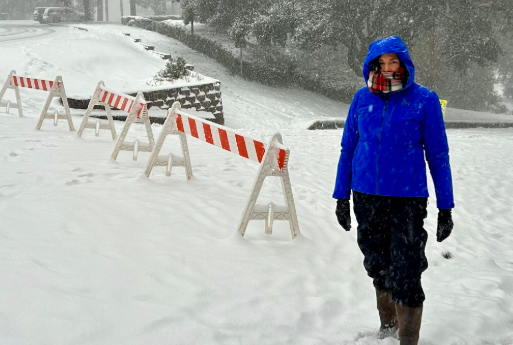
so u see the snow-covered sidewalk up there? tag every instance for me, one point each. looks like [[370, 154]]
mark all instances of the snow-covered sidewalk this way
[[94, 252]]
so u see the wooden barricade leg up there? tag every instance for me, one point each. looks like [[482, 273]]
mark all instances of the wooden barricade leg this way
[[9, 84], [289, 201], [149, 132], [169, 161], [121, 139], [62, 94], [111, 121], [269, 167], [94, 101], [44, 113]]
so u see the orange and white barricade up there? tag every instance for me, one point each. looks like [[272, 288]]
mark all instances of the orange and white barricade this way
[[137, 113], [273, 159], [100, 98], [56, 89]]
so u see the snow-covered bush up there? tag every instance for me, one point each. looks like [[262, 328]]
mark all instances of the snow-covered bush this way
[[175, 69]]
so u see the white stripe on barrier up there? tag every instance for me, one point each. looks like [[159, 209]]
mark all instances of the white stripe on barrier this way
[[251, 149]]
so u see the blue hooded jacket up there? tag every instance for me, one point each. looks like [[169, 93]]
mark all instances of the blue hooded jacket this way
[[386, 135]]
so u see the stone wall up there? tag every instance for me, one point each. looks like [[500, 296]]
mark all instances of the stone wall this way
[[203, 97]]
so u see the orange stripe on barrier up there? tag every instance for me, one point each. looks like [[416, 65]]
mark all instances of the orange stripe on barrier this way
[[125, 101], [281, 158], [193, 128], [179, 123], [241, 145], [22, 81], [208, 134], [29, 83], [116, 103], [260, 150], [224, 139], [36, 83], [15, 79], [111, 98]]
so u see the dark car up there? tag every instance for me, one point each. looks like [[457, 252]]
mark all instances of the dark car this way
[[38, 14]]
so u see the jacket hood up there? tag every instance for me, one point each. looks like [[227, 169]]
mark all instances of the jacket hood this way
[[391, 44]]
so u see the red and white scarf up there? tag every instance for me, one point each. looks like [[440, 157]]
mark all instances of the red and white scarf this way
[[386, 81]]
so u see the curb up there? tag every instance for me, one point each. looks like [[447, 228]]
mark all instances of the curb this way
[[336, 124]]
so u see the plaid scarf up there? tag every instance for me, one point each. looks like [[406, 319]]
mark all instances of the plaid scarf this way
[[385, 81]]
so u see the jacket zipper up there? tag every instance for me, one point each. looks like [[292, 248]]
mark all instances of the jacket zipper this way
[[379, 147]]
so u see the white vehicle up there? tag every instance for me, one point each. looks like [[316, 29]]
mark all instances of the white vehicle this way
[[61, 14], [38, 14]]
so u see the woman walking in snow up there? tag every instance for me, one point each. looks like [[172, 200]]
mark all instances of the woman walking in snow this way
[[391, 124]]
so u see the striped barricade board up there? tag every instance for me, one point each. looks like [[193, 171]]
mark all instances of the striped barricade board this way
[[56, 89], [273, 160]]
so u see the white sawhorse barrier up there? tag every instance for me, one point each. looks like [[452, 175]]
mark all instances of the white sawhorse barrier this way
[[56, 89], [137, 113], [273, 159], [101, 97]]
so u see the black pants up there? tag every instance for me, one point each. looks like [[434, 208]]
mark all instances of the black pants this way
[[392, 238]]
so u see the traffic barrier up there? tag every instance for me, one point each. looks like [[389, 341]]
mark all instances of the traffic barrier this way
[[56, 89], [273, 161], [100, 98], [137, 113]]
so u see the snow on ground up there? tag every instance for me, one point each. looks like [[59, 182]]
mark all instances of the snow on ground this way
[[93, 252]]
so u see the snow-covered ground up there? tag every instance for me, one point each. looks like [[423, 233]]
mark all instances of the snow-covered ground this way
[[93, 252]]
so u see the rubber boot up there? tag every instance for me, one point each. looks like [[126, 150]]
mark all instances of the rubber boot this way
[[409, 320], [387, 314]]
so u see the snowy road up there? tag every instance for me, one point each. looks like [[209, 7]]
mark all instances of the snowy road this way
[[12, 31], [93, 252]]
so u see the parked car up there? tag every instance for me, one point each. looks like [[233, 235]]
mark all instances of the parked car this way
[[62, 14], [4, 16], [38, 14]]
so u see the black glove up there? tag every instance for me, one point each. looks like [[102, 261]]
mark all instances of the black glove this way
[[445, 225], [343, 213]]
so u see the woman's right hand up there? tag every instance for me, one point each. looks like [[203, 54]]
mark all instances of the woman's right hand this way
[[343, 213], [445, 225]]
